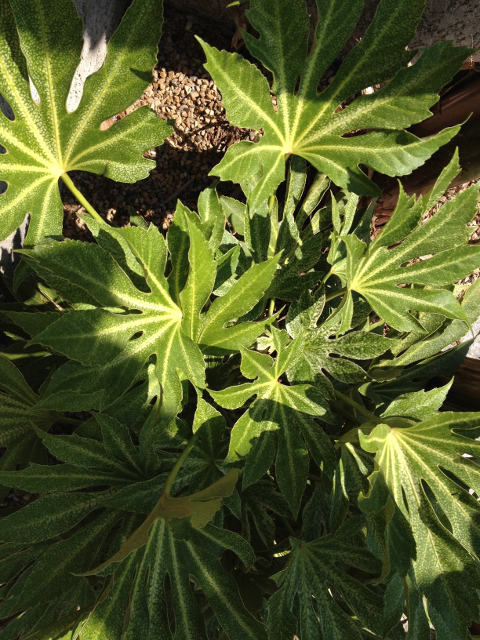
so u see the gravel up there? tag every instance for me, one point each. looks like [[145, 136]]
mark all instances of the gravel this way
[[182, 92]]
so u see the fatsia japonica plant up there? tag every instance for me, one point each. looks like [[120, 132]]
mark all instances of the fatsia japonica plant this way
[[237, 430]]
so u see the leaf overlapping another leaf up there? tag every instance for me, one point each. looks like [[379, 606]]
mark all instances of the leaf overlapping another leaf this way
[[287, 410], [312, 568], [115, 327], [45, 141], [19, 421], [421, 466], [62, 534], [430, 258], [181, 551], [325, 353], [308, 123]]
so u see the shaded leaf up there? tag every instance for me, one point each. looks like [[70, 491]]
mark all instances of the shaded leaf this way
[[287, 410]]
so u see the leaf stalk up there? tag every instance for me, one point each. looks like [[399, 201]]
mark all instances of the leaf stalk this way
[[81, 198], [358, 407], [335, 294], [63, 420], [178, 465]]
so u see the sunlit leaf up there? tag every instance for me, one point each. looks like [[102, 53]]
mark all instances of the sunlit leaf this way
[[118, 327], [273, 425], [309, 124], [45, 141], [415, 274], [423, 469]]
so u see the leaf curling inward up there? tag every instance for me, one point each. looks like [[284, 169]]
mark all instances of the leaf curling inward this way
[[199, 507]]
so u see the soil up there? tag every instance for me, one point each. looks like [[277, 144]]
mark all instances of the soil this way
[[183, 93]]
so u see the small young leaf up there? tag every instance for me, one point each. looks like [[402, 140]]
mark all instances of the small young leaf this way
[[289, 410]]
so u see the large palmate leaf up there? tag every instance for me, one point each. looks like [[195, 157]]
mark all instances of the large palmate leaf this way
[[415, 274], [315, 573], [277, 420], [136, 606], [126, 310], [309, 124], [423, 469], [44, 141], [64, 529]]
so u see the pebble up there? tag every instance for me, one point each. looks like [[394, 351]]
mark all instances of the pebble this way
[[181, 91]]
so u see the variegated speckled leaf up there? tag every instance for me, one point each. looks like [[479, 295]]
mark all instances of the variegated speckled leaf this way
[[126, 310], [273, 426], [415, 274], [421, 466], [340, 357], [137, 604], [308, 123], [45, 141], [311, 573], [52, 532]]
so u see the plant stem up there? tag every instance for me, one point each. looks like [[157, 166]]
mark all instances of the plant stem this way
[[178, 465], [359, 408], [271, 308], [289, 527], [83, 201], [335, 294], [340, 306], [337, 407], [327, 276]]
